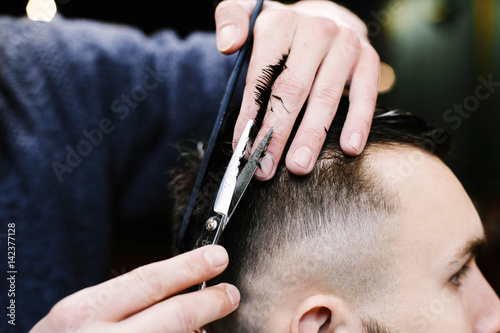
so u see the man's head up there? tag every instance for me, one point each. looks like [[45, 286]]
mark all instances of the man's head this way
[[375, 243]]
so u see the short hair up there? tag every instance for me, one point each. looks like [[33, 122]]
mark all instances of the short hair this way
[[328, 230]]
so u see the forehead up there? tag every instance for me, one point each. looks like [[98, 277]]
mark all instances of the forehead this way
[[436, 215]]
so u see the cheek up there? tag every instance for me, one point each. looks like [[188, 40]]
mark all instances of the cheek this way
[[429, 311]]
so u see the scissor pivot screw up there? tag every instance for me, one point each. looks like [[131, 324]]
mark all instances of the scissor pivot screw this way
[[211, 224]]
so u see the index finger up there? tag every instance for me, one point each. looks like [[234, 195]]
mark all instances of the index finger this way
[[147, 285]]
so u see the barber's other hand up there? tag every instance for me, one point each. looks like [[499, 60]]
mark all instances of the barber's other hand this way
[[148, 300], [329, 50]]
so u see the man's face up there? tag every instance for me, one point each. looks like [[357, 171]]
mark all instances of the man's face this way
[[440, 288]]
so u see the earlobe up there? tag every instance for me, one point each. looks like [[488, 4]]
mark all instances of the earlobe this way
[[319, 314]]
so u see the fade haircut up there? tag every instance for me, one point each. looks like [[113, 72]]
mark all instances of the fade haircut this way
[[329, 231]]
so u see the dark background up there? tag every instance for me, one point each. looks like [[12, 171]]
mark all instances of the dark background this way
[[441, 52]]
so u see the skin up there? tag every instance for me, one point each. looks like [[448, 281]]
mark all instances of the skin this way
[[148, 300], [434, 230], [314, 32], [328, 49], [433, 233], [439, 223]]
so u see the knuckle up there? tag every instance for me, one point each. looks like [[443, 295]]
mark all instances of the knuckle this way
[[214, 300], [266, 21], [196, 266], [279, 139], [225, 10], [66, 313], [349, 35], [363, 123], [329, 95], [289, 86], [367, 94], [372, 55], [60, 313], [185, 317], [193, 268], [349, 43], [222, 6], [326, 26], [151, 282], [313, 136], [321, 26]]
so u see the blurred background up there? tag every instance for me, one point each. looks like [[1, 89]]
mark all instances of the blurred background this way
[[446, 65]]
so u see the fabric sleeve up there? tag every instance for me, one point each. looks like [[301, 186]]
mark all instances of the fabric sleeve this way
[[89, 117]]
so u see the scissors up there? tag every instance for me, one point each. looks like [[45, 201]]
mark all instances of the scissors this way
[[234, 182], [244, 52], [232, 187]]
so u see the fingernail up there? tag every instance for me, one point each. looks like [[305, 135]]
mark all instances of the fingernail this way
[[233, 294], [355, 141], [216, 256], [303, 157], [266, 166], [226, 37]]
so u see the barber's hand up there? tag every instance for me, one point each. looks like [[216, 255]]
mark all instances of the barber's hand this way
[[148, 300], [329, 50]]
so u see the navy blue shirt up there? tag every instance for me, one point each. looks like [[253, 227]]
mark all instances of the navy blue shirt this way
[[89, 116]]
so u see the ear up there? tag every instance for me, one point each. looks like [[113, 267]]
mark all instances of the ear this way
[[319, 314]]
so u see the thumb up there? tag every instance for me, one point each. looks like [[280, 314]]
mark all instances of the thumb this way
[[231, 23]]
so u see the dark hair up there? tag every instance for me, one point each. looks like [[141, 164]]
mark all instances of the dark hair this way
[[390, 127], [341, 194]]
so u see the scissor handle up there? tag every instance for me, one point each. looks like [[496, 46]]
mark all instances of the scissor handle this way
[[212, 229]]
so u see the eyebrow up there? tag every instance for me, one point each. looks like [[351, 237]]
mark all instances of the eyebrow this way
[[471, 249]]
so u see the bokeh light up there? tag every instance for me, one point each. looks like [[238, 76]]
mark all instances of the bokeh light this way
[[41, 10], [387, 78]]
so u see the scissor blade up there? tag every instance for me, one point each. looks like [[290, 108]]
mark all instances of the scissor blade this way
[[228, 183], [248, 171]]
